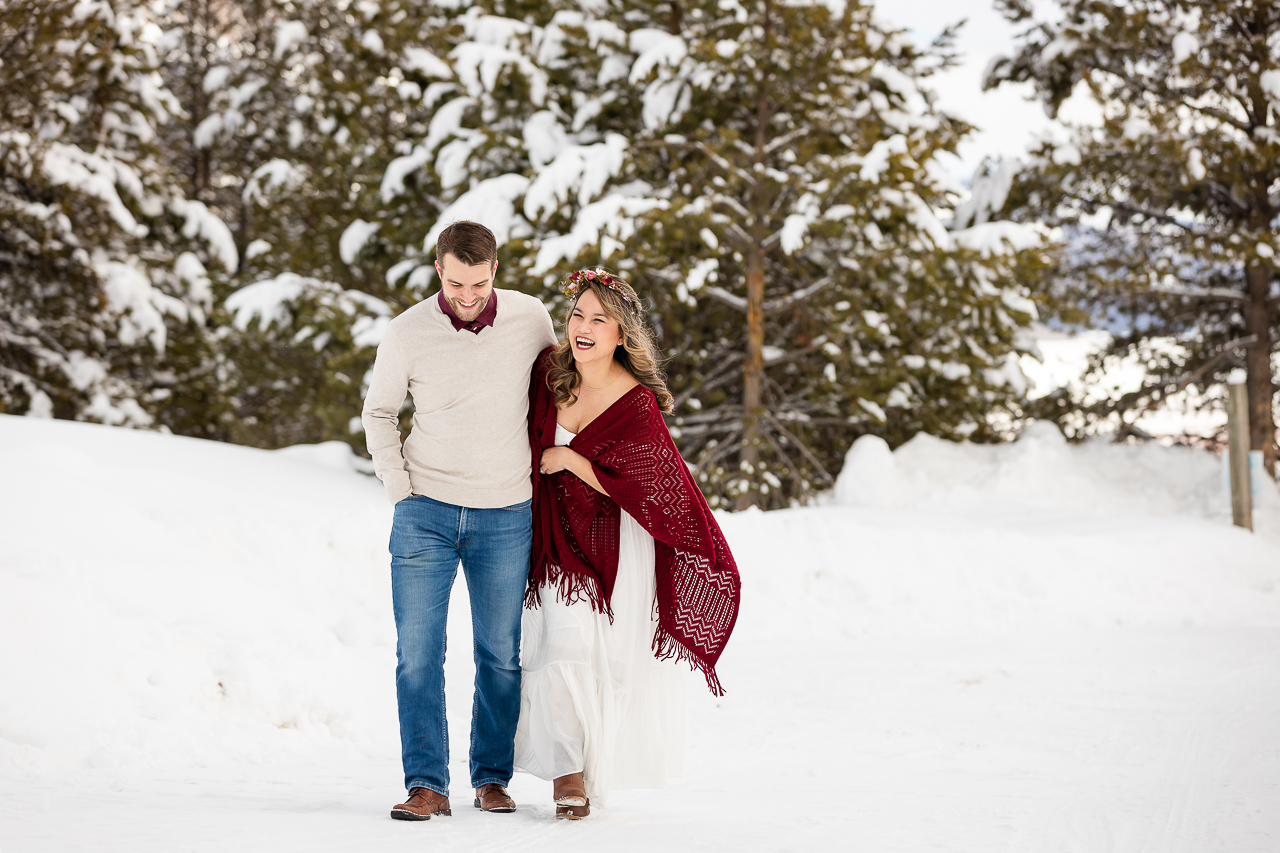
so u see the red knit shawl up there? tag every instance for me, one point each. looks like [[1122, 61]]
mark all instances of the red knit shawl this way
[[576, 529]]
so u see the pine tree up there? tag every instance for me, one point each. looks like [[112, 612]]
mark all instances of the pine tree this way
[[517, 138], [808, 290], [766, 174], [1171, 201], [104, 269], [295, 112]]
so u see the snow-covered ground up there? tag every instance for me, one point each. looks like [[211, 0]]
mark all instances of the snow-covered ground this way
[[1030, 647]]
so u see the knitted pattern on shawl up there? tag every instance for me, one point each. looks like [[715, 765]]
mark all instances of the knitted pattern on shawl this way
[[576, 529]]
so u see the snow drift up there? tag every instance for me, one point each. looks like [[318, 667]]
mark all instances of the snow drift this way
[[1039, 473], [168, 603]]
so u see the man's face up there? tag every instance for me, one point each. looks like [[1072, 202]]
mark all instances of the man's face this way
[[468, 288]]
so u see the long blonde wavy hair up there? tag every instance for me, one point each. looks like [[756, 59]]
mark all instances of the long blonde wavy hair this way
[[638, 353]]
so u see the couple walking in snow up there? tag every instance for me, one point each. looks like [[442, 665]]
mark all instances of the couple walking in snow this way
[[543, 466]]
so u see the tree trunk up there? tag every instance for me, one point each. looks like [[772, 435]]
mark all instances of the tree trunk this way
[[197, 38], [1257, 317], [753, 367], [753, 377]]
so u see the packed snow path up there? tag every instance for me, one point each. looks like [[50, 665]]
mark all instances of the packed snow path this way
[[1027, 648]]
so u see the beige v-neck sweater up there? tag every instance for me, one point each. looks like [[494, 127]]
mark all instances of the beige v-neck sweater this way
[[469, 444]]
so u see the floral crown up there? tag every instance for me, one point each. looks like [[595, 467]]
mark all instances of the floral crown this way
[[574, 283]]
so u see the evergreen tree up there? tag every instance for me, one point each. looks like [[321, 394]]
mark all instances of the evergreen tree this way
[[104, 269], [513, 141], [295, 111], [767, 176], [518, 137], [1171, 201], [809, 291]]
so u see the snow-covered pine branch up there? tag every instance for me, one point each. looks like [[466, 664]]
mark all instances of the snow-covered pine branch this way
[[105, 283], [1170, 193]]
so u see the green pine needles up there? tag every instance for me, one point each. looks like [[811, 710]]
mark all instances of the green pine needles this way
[[767, 174]]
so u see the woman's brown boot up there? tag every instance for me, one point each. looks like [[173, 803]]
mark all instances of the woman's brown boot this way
[[570, 795]]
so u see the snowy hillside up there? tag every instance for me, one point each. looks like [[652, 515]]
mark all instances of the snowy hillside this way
[[1029, 647]]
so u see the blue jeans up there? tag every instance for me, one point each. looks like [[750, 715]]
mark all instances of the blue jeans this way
[[428, 539]]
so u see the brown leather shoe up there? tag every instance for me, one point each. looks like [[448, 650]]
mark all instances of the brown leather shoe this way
[[574, 812], [570, 790], [421, 805], [494, 798], [570, 794]]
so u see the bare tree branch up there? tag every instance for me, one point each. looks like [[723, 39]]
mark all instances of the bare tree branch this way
[[731, 203], [722, 375], [710, 153], [783, 455], [19, 34], [1159, 394], [773, 421], [794, 355], [727, 298], [1223, 293], [729, 446], [774, 306], [786, 139]]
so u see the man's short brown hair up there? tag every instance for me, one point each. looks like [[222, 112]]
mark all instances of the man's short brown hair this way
[[469, 242]]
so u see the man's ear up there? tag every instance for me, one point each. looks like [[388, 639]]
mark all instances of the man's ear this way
[[493, 273]]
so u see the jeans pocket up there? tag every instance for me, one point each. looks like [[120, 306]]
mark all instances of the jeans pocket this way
[[520, 507]]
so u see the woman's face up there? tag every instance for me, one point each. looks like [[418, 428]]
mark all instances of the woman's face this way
[[593, 334]]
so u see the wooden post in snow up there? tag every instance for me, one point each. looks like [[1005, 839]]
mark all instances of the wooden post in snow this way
[[1238, 449]]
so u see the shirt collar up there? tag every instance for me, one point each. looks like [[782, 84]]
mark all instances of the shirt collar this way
[[485, 319]]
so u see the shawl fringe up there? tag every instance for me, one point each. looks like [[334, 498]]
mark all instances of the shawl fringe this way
[[570, 588], [667, 647]]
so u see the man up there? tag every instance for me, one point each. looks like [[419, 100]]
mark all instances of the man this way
[[462, 492]]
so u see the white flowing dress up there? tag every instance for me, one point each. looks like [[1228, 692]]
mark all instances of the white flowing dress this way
[[593, 698]]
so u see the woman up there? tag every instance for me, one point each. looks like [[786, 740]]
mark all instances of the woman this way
[[618, 525]]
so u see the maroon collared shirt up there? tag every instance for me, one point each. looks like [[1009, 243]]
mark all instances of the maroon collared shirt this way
[[485, 319]]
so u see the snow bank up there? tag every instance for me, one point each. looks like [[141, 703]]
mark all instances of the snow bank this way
[[946, 538], [1042, 475], [1040, 472], [329, 454], [168, 603], [172, 602]]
